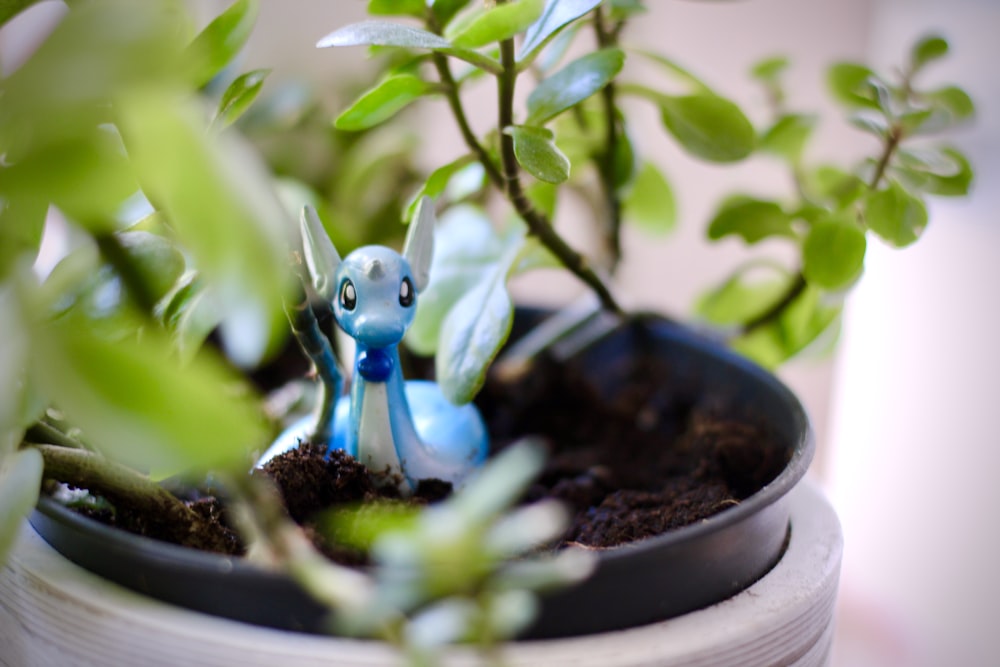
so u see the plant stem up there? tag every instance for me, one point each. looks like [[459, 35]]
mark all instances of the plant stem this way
[[892, 140], [121, 485], [455, 103], [606, 163], [538, 224], [795, 289]]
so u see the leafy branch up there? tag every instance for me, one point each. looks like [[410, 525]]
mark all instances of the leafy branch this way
[[836, 209], [537, 223]]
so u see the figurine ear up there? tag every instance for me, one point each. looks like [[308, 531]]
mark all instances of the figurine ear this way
[[321, 257], [419, 247]]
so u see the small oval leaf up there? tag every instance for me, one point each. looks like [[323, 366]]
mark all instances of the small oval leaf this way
[[752, 219], [499, 23], [556, 15], [931, 47], [572, 84], [849, 84], [537, 153], [953, 101], [650, 203], [708, 126], [382, 102], [239, 96], [787, 138], [414, 8], [895, 215], [769, 69], [221, 40], [474, 331], [383, 33], [833, 253]]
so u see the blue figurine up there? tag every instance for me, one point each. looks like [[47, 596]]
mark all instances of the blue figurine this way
[[403, 431]]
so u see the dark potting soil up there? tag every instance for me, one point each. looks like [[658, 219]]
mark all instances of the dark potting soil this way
[[634, 462], [653, 457]]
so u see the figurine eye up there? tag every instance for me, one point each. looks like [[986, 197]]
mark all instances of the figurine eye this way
[[348, 295], [406, 293]]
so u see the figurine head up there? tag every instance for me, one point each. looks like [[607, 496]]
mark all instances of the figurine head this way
[[373, 290]]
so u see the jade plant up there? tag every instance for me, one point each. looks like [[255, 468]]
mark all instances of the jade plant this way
[[123, 137]]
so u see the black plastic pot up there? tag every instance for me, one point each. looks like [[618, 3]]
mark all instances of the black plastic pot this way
[[650, 580]]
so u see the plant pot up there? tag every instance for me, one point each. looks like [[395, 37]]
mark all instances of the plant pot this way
[[650, 580], [55, 613]]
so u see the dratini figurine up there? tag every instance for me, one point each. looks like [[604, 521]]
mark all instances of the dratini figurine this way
[[402, 430]]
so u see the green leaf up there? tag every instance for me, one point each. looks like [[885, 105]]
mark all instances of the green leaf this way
[[445, 10], [624, 158], [649, 203], [466, 248], [953, 101], [474, 331], [384, 33], [556, 16], [743, 296], [769, 69], [951, 185], [833, 184], [239, 95], [931, 160], [382, 102], [498, 23], [788, 136], [157, 261], [544, 197], [877, 126], [221, 40], [190, 314], [220, 202], [14, 354], [833, 253], [622, 10], [848, 83], [118, 44], [679, 72], [537, 153], [895, 215], [88, 178], [802, 323], [708, 127], [752, 219], [572, 84], [139, 406], [20, 480], [437, 182], [927, 49], [415, 8], [22, 221]]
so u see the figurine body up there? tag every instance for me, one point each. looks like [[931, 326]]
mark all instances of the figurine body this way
[[403, 431]]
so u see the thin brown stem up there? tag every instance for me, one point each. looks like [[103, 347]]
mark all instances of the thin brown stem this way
[[538, 224], [795, 289], [606, 163], [894, 136], [123, 486], [458, 111]]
